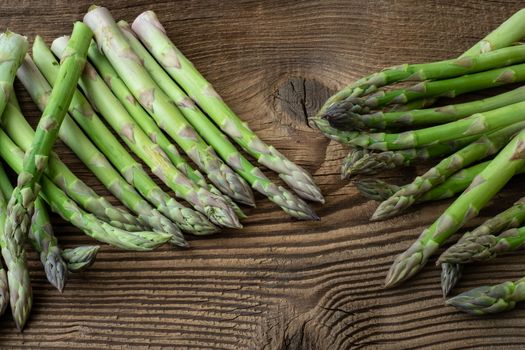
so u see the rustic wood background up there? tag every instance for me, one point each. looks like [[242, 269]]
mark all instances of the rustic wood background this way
[[278, 283]]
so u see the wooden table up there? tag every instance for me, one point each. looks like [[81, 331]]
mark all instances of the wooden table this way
[[278, 283]]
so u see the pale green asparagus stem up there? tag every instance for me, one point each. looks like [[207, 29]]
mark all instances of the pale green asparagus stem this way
[[21, 205], [114, 45], [69, 210], [484, 186], [141, 117], [13, 48], [153, 35], [186, 218], [490, 299], [407, 195], [80, 258], [279, 195]]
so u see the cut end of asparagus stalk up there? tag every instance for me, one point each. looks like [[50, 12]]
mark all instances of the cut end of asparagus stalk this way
[[450, 275]]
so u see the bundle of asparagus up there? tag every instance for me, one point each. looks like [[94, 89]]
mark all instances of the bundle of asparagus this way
[[137, 97], [388, 127]]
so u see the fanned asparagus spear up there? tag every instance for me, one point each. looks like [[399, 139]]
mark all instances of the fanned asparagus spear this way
[[481, 190], [13, 48], [343, 115], [41, 237], [186, 218], [482, 148], [477, 124], [149, 126], [21, 205], [508, 33], [69, 210], [22, 134], [380, 190], [439, 115], [213, 136], [207, 203], [41, 233], [168, 117], [490, 299], [80, 258], [4, 285], [483, 243], [152, 34], [365, 162]]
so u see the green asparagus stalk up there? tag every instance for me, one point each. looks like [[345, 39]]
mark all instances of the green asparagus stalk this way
[[439, 115], [213, 136], [168, 117], [186, 218], [149, 126], [490, 299], [407, 195], [70, 211], [13, 48], [484, 186], [508, 33], [80, 258], [379, 190], [15, 125], [4, 285], [20, 207], [341, 114], [41, 233], [152, 34], [365, 162], [202, 200], [484, 243], [477, 124]]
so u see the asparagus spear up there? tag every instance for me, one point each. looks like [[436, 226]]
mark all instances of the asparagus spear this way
[[158, 105], [477, 124], [450, 275], [69, 210], [342, 114], [41, 237], [211, 205], [439, 115], [20, 207], [149, 126], [13, 47], [379, 190], [362, 161], [15, 125], [4, 285], [213, 136], [484, 186], [187, 219], [80, 258], [41, 233], [482, 148], [153, 35], [490, 299], [483, 243], [508, 33]]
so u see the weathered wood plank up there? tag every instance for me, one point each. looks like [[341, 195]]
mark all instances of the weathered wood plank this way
[[278, 283]]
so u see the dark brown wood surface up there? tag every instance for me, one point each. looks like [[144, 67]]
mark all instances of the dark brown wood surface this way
[[278, 283]]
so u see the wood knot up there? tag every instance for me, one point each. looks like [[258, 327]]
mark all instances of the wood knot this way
[[299, 98]]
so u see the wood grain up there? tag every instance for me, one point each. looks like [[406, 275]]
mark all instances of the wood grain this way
[[278, 283]]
